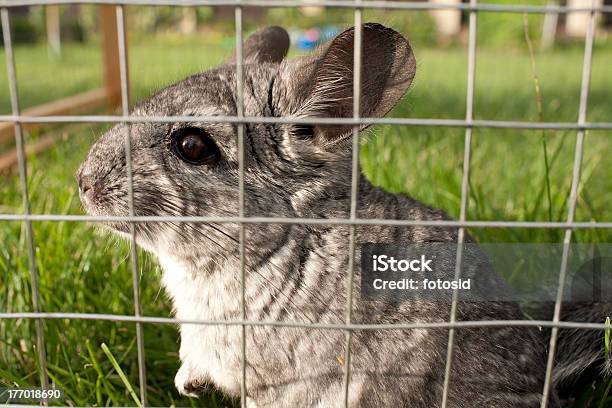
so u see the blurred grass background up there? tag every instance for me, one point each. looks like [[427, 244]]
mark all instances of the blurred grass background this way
[[81, 271]]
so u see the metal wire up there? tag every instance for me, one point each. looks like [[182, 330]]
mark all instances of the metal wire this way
[[241, 197], [23, 178], [355, 176], [573, 198], [350, 4], [469, 113], [309, 221], [458, 123], [240, 120], [317, 326], [125, 109]]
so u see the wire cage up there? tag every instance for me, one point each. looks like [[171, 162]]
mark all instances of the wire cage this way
[[240, 120]]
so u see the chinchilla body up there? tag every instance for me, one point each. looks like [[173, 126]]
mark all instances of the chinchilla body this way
[[298, 272]]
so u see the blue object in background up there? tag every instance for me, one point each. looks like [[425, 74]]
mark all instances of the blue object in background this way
[[311, 38], [328, 33]]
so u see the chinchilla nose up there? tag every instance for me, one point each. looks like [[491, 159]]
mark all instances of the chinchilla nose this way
[[87, 186], [85, 181]]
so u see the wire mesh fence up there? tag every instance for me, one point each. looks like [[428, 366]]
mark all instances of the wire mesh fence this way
[[240, 120]]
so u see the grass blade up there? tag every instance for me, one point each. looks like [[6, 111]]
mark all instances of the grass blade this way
[[607, 339], [538, 95], [122, 375]]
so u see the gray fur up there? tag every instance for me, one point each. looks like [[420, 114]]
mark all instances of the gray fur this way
[[298, 272]]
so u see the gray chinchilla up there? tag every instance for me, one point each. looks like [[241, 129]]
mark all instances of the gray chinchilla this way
[[298, 273]]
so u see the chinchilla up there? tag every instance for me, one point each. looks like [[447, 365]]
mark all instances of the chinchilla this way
[[298, 273]]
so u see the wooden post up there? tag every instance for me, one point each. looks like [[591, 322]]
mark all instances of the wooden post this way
[[52, 14], [448, 22], [576, 23], [109, 95], [549, 28], [110, 45], [189, 20]]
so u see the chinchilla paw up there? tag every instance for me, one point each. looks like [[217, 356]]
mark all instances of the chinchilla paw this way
[[189, 382]]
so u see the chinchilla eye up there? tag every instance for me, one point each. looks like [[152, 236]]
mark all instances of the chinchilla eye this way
[[303, 131], [194, 146]]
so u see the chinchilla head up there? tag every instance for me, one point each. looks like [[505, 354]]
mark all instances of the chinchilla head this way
[[191, 169]]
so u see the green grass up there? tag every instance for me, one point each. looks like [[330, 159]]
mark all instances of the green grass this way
[[81, 271]]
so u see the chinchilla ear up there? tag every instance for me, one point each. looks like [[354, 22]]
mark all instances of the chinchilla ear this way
[[322, 84], [269, 44]]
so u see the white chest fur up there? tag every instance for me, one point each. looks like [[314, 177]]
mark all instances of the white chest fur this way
[[207, 352]]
